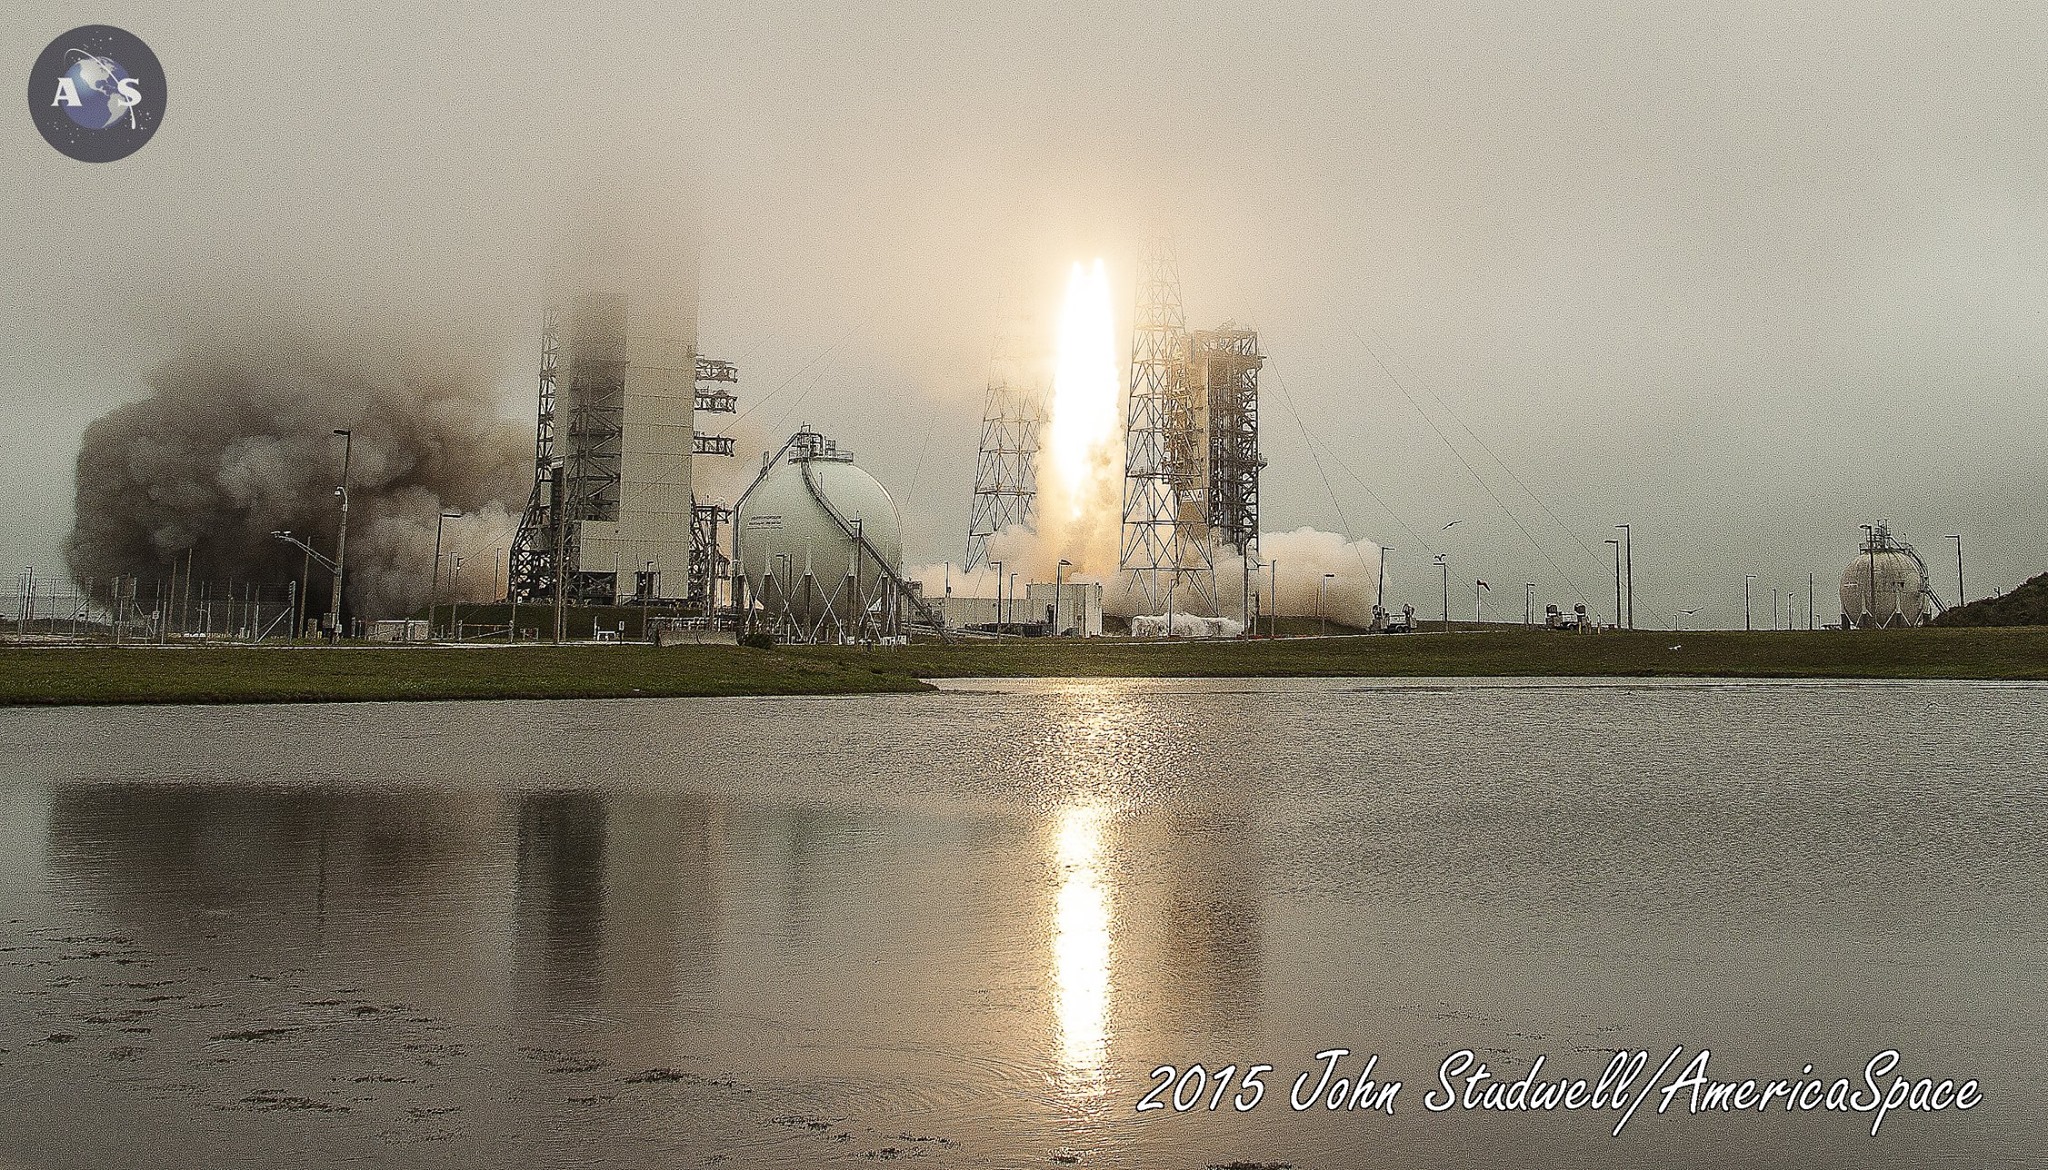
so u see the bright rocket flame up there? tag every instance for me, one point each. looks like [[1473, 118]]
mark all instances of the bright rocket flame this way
[[1083, 428]]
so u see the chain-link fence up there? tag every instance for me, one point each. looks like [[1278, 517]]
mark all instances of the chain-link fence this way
[[37, 608]]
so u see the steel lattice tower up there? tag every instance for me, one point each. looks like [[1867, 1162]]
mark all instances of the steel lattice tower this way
[[1006, 470], [1165, 545], [1224, 375]]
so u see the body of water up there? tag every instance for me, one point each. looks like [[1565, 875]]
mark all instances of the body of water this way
[[966, 928]]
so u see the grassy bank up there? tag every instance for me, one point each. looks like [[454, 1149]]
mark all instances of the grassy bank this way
[[310, 674], [242, 675], [1510, 651]]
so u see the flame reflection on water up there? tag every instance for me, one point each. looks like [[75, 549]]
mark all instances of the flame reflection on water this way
[[1080, 950]]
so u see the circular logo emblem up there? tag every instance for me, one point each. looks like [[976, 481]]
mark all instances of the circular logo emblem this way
[[97, 93]]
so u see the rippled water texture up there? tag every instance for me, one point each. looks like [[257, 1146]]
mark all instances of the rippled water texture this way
[[965, 927]]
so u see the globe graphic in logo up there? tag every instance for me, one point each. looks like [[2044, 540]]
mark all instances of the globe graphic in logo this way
[[98, 84], [97, 93]]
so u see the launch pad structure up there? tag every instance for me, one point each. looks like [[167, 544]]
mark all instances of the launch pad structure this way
[[611, 517], [1191, 449]]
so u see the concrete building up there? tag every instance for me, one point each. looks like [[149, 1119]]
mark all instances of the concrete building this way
[[1078, 605]]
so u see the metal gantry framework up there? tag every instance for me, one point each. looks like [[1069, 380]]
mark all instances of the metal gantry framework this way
[[1006, 469], [577, 476], [709, 564], [1225, 375], [1164, 550], [532, 569]]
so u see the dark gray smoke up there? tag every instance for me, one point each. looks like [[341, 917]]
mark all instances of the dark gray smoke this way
[[236, 440]]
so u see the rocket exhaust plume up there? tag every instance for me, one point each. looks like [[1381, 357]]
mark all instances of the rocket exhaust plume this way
[[1079, 485], [235, 440]]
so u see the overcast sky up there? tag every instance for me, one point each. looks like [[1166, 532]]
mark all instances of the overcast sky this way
[[1744, 276]]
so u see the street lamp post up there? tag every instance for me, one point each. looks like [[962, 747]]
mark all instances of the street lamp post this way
[[1058, 580], [1961, 597], [1379, 597], [434, 598], [1628, 543], [999, 597], [1323, 602], [1273, 622], [1617, 582], [348, 441], [1746, 579], [646, 594], [1443, 562], [1870, 599], [455, 601]]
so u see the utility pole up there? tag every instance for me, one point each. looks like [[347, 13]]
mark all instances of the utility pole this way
[[1809, 601], [340, 542], [1746, 579]]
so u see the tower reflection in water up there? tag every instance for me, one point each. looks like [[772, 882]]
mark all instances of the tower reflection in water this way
[[1080, 951]]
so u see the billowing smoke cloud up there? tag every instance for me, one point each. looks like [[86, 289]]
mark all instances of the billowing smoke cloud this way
[[1296, 561], [235, 439], [1299, 559]]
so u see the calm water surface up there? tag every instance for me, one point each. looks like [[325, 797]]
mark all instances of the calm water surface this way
[[964, 928]]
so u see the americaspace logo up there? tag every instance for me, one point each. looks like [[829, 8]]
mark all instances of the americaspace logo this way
[[97, 93]]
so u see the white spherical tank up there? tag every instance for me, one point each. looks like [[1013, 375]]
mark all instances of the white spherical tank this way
[[1885, 585], [799, 562]]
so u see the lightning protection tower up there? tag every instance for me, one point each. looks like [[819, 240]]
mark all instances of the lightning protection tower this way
[[1006, 470], [1165, 544]]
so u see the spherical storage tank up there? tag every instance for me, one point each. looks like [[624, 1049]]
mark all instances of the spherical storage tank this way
[[799, 562], [1886, 585]]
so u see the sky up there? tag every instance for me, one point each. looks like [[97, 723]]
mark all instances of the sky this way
[[1743, 276]]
